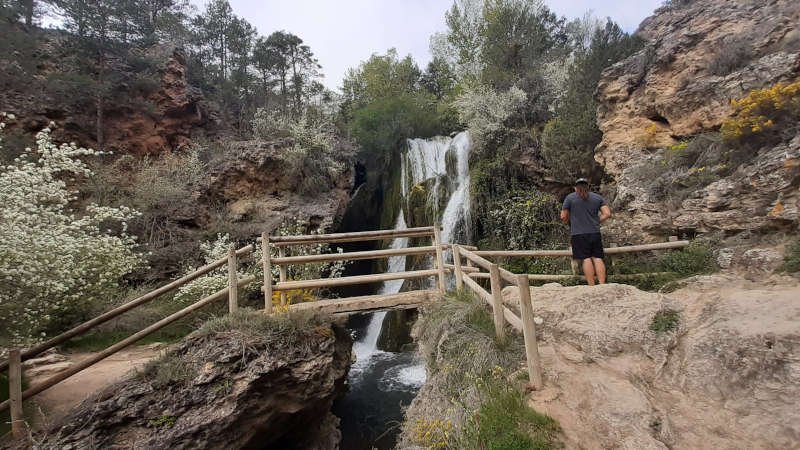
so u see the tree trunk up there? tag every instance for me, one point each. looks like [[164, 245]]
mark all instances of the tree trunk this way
[[28, 5], [99, 102]]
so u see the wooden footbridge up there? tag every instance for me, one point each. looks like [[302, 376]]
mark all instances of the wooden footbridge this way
[[470, 269]]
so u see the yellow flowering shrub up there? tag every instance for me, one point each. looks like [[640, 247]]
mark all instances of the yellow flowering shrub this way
[[763, 110], [433, 434]]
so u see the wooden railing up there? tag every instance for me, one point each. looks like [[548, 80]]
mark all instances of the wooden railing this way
[[16, 356], [465, 274]]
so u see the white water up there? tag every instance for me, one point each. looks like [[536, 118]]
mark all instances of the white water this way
[[426, 159]]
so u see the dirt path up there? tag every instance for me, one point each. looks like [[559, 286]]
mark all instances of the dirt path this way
[[59, 399]]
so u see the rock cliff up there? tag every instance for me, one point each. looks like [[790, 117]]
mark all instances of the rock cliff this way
[[700, 55], [724, 374], [246, 381]]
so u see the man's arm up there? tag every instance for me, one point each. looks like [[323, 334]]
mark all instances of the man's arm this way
[[605, 213], [565, 216]]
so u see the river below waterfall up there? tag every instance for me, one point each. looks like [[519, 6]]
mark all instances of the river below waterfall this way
[[382, 384]]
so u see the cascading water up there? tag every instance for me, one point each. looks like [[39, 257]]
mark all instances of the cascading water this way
[[381, 382]]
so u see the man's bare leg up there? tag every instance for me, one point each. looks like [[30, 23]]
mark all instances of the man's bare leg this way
[[600, 268], [588, 270]]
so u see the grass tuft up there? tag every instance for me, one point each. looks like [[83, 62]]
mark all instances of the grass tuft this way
[[791, 260], [665, 320]]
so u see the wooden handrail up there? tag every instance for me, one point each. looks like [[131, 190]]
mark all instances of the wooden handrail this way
[[63, 375], [352, 256], [559, 253], [475, 258], [548, 277], [105, 317], [358, 279], [282, 241]]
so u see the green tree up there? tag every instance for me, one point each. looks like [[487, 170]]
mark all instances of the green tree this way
[[570, 138]]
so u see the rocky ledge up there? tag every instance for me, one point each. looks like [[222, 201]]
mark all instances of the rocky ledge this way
[[246, 381]]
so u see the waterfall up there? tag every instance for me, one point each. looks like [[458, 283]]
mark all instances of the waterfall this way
[[442, 163]]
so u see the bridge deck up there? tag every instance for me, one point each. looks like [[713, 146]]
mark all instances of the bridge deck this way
[[371, 303]]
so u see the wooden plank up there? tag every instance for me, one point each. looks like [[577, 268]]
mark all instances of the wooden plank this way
[[15, 394], [464, 269], [281, 241], [352, 256], [402, 300], [481, 292], [105, 317], [477, 259], [359, 279], [281, 276], [529, 332], [512, 319], [508, 275], [554, 277], [233, 283], [468, 247], [63, 375], [267, 265], [557, 253], [459, 273], [437, 242], [497, 302]]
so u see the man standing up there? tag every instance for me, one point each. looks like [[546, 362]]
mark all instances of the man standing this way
[[584, 211]]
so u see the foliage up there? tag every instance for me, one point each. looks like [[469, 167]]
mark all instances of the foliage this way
[[56, 260], [764, 112], [162, 422], [730, 56], [568, 140], [533, 215], [433, 434], [485, 111], [791, 260], [505, 422], [665, 320], [218, 279], [696, 258]]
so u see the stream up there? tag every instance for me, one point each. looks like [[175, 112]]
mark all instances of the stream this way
[[381, 383]]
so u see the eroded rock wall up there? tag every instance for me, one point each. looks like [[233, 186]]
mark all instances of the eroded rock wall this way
[[675, 89]]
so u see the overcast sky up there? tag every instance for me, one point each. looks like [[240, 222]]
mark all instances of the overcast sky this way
[[342, 33]]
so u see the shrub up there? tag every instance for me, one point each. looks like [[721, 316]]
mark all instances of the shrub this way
[[505, 422], [57, 261], [484, 111], [697, 258], [664, 321], [730, 56], [534, 217], [791, 260], [769, 111], [218, 279]]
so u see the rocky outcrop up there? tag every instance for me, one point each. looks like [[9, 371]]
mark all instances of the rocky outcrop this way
[[262, 184], [725, 377], [699, 55], [246, 382]]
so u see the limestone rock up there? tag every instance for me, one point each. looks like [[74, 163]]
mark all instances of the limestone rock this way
[[670, 90], [223, 390]]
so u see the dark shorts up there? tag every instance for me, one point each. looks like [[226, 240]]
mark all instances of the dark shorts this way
[[587, 246]]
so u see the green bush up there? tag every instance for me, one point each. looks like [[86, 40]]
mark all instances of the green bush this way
[[695, 259], [791, 260], [665, 320], [505, 422]]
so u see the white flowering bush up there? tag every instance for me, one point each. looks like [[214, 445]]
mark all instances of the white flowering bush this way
[[485, 111], [218, 279], [56, 260]]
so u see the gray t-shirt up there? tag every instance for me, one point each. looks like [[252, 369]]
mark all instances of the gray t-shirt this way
[[583, 214]]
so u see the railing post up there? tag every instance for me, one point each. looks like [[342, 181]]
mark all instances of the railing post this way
[[15, 393], [233, 282], [457, 267], [282, 274], [497, 302], [437, 242], [573, 263], [267, 273], [529, 332]]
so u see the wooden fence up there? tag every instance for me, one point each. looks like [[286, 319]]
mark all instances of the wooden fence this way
[[407, 299], [465, 274], [467, 265]]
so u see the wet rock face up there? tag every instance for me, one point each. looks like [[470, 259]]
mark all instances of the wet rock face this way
[[220, 391], [700, 55]]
